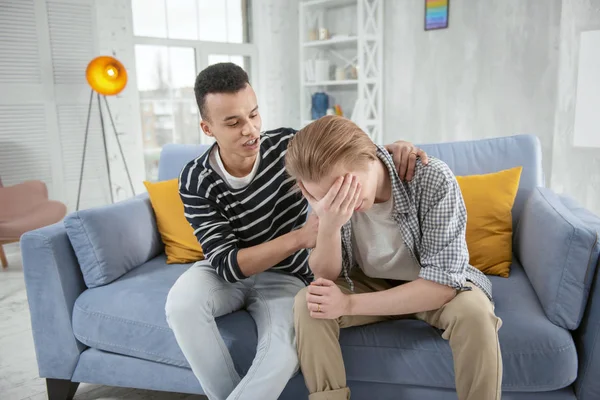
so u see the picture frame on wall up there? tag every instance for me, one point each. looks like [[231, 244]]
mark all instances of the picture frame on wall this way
[[437, 14]]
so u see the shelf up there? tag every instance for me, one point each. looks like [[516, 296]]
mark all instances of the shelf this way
[[332, 83], [328, 3], [331, 42]]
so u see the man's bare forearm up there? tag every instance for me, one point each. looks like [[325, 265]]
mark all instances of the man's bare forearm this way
[[256, 259], [326, 258], [412, 297]]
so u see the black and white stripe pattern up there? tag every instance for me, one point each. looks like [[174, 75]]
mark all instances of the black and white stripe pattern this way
[[227, 220]]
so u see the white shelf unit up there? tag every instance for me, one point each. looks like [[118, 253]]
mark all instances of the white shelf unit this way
[[332, 83], [350, 40], [356, 27], [327, 3]]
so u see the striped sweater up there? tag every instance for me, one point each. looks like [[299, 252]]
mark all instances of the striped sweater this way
[[226, 220]]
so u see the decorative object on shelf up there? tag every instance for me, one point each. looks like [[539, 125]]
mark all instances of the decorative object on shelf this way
[[353, 72], [322, 68], [107, 77], [320, 104], [436, 14], [323, 32], [338, 110], [340, 74]]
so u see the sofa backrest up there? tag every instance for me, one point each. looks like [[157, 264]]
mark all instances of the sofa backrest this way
[[464, 158], [484, 156], [174, 157]]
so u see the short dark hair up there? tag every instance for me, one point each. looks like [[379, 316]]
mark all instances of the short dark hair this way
[[218, 78]]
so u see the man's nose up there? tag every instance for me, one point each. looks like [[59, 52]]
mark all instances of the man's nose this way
[[248, 129]]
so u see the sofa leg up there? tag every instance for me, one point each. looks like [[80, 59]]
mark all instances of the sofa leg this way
[[61, 389]]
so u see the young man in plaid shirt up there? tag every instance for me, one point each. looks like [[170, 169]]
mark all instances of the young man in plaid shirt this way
[[387, 248]]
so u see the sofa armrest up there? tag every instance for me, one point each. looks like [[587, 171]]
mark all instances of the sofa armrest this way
[[557, 244], [53, 282], [587, 340]]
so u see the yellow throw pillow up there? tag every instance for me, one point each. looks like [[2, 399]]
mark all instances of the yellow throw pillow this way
[[489, 199], [181, 246]]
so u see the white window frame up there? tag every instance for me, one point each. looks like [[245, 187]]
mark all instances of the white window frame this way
[[202, 49]]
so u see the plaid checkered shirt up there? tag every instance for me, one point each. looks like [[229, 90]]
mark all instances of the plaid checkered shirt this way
[[432, 217]]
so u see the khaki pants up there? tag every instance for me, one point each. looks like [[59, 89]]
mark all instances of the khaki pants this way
[[468, 321]]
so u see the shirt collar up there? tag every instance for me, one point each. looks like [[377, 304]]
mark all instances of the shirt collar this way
[[402, 203]]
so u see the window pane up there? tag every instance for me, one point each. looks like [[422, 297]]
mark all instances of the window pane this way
[[220, 58], [235, 21], [182, 63], [242, 61], [217, 58], [210, 20], [149, 18], [182, 17], [165, 77], [151, 67], [212, 17], [223, 21]]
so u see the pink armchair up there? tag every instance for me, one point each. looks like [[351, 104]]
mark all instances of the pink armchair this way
[[25, 207]]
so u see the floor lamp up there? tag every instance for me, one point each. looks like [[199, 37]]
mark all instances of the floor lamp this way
[[107, 77]]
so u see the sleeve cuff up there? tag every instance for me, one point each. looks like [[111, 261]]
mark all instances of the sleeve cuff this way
[[441, 277]]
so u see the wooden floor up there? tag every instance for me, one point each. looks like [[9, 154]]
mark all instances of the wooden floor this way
[[18, 370]]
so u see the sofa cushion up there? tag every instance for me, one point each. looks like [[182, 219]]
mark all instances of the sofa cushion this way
[[108, 244], [489, 200], [181, 245], [537, 355], [127, 317], [558, 246]]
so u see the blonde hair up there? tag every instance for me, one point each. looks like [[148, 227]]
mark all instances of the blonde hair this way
[[325, 143]]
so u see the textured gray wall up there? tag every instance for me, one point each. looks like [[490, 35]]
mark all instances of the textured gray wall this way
[[276, 30], [575, 171], [492, 73]]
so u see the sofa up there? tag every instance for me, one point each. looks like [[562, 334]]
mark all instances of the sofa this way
[[98, 282]]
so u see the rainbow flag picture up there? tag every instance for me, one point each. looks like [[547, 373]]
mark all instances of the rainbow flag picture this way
[[436, 14]]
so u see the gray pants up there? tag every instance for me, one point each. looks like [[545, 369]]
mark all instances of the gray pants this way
[[200, 295]]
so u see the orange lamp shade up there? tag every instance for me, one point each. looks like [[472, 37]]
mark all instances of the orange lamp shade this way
[[106, 75]]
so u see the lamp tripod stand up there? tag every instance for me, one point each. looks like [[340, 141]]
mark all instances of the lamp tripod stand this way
[[106, 76], [85, 140]]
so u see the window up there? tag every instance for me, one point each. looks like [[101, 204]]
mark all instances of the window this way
[[174, 40]]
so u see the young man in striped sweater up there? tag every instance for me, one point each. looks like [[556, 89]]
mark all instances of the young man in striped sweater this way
[[254, 231]]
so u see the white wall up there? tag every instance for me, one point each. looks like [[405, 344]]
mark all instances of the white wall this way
[[491, 73], [276, 32], [575, 171]]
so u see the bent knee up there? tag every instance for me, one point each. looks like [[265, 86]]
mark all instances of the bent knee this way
[[477, 315], [185, 299]]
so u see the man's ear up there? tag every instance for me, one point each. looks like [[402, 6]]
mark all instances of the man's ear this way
[[206, 128]]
